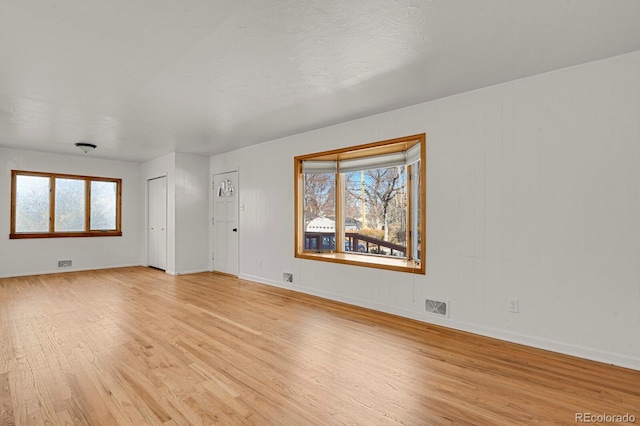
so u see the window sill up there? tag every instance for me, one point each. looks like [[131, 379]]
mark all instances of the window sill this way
[[18, 236], [379, 262]]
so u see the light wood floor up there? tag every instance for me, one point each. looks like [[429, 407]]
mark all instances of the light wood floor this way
[[134, 346]]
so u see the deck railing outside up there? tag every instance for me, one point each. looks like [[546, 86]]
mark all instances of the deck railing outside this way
[[354, 242]]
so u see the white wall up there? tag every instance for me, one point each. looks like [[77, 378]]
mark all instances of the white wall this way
[[36, 256], [533, 192], [187, 210], [192, 191]]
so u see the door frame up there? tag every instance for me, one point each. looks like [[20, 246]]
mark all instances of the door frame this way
[[211, 218]]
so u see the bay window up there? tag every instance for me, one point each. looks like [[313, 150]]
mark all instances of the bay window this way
[[363, 205]]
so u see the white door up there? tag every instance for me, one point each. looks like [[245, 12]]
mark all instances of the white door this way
[[225, 223], [158, 223]]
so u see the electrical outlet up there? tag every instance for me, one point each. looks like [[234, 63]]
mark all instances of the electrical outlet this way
[[287, 277], [64, 263], [260, 263], [514, 306]]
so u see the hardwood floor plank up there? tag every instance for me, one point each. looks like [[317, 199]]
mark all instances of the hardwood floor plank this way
[[7, 351], [90, 404], [134, 346], [6, 406], [147, 397]]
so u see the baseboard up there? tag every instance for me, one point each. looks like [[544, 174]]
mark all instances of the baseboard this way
[[508, 336], [65, 270], [195, 271], [288, 286]]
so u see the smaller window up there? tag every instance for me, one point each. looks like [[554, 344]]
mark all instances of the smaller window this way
[[45, 205]]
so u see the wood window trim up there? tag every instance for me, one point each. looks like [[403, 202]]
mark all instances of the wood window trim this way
[[52, 234], [371, 261], [350, 258]]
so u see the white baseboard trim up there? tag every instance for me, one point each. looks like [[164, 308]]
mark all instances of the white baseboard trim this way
[[65, 270], [508, 336], [195, 271], [268, 282]]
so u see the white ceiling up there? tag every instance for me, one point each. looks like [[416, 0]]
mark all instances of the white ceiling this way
[[144, 78]]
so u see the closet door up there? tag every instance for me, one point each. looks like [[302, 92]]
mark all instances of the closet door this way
[[158, 223]]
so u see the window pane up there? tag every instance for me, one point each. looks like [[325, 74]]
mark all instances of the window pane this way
[[70, 204], [319, 211], [376, 211], [32, 204], [103, 205]]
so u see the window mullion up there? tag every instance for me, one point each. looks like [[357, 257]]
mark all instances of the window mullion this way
[[119, 205], [410, 228], [87, 205], [14, 197], [52, 204], [339, 205]]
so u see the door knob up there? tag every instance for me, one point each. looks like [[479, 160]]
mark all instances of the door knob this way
[[235, 229]]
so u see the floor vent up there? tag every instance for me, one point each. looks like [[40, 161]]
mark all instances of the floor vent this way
[[64, 264], [437, 307]]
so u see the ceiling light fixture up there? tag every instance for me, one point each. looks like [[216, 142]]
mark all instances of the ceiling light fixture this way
[[86, 147]]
